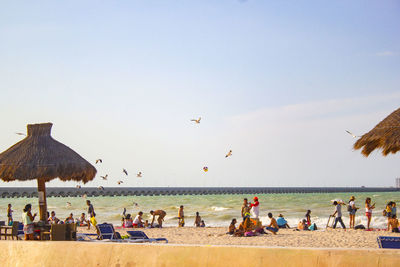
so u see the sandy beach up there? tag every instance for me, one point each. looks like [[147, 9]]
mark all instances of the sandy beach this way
[[326, 238]]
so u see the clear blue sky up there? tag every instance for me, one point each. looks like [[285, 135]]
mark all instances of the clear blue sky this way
[[278, 82]]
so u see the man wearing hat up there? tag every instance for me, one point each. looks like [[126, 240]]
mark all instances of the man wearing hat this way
[[255, 207]]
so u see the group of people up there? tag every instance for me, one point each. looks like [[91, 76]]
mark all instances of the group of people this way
[[139, 222]]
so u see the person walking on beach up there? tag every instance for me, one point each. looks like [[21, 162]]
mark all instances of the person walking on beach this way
[[338, 212], [161, 214], [368, 210], [27, 220], [91, 213], [9, 215], [181, 217], [351, 208], [245, 208]]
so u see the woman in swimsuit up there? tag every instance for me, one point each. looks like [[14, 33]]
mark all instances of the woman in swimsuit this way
[[368, 210]]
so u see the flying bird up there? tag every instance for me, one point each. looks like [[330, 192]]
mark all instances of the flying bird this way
[[125, 171], [78, 186], [21, 134], [196, 121], [139, 175], [229, 154], [120, 182], [99, 160], [353, 135], [104, 177], [100, 188], [68, 204]]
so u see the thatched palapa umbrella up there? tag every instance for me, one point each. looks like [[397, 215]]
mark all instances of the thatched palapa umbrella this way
[[385, 136], [40, 157]]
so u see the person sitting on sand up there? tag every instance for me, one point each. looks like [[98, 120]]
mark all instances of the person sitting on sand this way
[[197, 221], [368, 210], [53, 219], [128, 222], [70, 219], [161, 214], [245, 226], [302, 225], [282, 223], [181, 217], [202, 224], [273, 226], [82, 220], [137, 222], [394, 224], [232, 227]]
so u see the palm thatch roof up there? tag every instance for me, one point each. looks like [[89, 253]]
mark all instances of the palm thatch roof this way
[[385, 136], [40, 156]]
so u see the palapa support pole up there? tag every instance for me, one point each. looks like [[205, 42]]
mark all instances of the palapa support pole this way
[[42, 199]]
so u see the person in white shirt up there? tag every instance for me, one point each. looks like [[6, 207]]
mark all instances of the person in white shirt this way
[[137, 222]]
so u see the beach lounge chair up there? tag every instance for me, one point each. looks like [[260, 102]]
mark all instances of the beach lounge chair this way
[[21, 233], [140, 236], [388, 242], [106, 232]]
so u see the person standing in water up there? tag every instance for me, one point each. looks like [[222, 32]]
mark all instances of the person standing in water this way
[[181, 217], [197, 221], [368, 210]]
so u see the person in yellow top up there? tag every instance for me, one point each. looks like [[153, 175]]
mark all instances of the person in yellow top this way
[[388, 214]]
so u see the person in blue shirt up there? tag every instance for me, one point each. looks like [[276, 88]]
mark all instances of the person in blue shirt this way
[[282, 223]]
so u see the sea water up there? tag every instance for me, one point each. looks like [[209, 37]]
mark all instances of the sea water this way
[[215, 210]]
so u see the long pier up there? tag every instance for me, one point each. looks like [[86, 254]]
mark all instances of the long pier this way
[[11, 192]]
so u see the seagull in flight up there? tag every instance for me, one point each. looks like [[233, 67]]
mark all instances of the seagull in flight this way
[[353, 135], [196, 121], [68, 204], [104, 177], [139, 175], [78, 186], [99, 160], [125, 171], [120, 182], [21, 134], [100, 188], [229, 154]]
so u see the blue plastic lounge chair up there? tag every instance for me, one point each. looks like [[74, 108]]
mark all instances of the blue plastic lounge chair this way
[[140, 236], [106, 231], [388, 242]]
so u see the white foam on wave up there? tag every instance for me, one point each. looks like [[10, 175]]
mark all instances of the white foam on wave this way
[[218, 208]]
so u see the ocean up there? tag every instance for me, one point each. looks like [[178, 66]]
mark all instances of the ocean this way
[[215, 210]]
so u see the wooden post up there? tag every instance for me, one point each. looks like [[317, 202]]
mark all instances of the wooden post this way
[[42, 199]]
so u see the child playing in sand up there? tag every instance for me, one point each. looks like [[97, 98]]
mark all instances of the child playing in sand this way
[[197, 221], [181, 217], [9, 215], [273, 226]]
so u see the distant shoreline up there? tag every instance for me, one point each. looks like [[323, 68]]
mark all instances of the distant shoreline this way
[[7, 192]]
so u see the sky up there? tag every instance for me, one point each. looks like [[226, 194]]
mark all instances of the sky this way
[[277, 82]]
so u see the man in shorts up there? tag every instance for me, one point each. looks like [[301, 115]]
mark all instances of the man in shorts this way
[[161, 214]]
